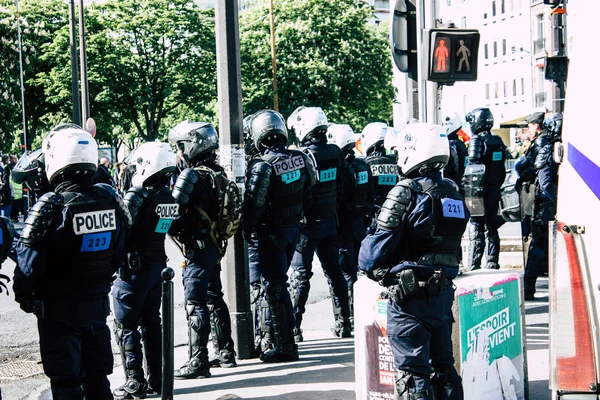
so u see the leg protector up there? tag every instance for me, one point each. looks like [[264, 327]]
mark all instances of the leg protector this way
[[476, 246], [299, 288], [342, 327], [284, 347], [223, 356], [351, 304], [265, 323], [448, 385], [197, 366], [152, 337]]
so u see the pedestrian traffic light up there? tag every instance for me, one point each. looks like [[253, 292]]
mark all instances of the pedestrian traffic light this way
[[452, 55], [404, 37], [556, 68]]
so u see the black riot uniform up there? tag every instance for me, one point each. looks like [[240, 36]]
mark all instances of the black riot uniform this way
[[137, 289], [200, 202], [320, 234], [7, 233], [278, 190], [384, 170], [356, 210], [489, 150], [413, 253], [71, 245], [455, 170], [544, 210]]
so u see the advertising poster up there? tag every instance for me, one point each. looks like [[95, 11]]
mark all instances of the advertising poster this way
[[491, 337], [373, 355]]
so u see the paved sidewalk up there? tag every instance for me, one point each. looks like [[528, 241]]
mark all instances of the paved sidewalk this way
[[325, 369]]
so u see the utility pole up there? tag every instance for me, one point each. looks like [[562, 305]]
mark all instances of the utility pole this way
[[229, 88], [24, 145], [273, 58], [559, 15], [85, 98], [74, 77]]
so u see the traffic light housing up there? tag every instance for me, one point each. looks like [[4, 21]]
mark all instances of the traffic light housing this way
[[557, 68], [452, 55], [404, 37]]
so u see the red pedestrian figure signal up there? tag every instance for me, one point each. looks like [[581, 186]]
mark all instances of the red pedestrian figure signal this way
[[452, 55], [441, 55]]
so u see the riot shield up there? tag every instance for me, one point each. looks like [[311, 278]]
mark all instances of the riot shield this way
[[473, 185], [510, 207]]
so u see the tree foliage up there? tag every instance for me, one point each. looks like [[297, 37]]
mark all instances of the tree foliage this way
[[41, 20], [147, 59], [328, 55]]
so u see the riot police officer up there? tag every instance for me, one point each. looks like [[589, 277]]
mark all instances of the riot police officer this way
[[72, 243], [356, 206], [278, 190], [7, 233], [413, 253], [383, 165], [489, 151], [200, 203], [455, 169], [545, 203], [310, 126], [137, 290]]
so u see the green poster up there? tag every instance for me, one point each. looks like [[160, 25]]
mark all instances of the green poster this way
[[492, 314]]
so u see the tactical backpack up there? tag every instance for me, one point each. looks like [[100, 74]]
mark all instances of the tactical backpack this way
[[229, 207]]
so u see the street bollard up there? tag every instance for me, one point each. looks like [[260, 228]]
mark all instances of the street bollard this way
[[168, 349]]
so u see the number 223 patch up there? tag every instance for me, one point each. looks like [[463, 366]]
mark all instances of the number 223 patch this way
[[92, 242], [453, 208]]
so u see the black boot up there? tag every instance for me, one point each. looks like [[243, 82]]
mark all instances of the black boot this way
[[197, 366], [284, 348], [342, 327], [134, 388], [351, 304]]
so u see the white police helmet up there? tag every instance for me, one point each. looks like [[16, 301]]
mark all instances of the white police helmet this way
[[152, 160], [372, 135], [307, 121], [341, 135], [422, 144], [453, 124], [391, 137], [68, 148]]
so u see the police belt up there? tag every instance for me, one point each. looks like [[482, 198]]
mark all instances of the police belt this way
[[406, 284]]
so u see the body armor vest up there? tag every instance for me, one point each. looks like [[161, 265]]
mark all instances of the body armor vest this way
[[148, 233], [87, 257], [493, 158], [385, 175], [289, 178], [327, 157], [450, 217], [355, 196]]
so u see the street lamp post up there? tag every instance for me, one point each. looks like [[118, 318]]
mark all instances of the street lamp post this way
[[24, 145], [74, 80]]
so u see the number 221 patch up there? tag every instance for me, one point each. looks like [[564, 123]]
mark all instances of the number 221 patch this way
[[453, 208]]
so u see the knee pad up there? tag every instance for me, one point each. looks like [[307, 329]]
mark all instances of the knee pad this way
[[405, 388], [255, 292]]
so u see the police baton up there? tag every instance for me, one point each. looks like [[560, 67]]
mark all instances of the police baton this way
[[168, 349]]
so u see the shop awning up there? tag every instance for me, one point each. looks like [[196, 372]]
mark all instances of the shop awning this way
[[515, 123]]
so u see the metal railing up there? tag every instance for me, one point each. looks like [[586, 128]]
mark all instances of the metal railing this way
[[540, 99], [539, 45]]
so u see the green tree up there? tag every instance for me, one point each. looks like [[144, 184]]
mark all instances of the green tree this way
[[328, 55], [41, 20], [147, 59]]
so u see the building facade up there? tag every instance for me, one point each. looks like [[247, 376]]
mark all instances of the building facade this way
[[504, 82]]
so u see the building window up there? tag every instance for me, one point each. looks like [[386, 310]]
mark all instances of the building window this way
[[503, 47], [487, 91], [502, 8], [382, 4], [511, 5], [505, 88], [484, 15], [495, 49], [539, 23], [514, 87], [448, 3], [485, 51], [522, 86], [493, 8], [513, 49], [496, 90], [463, 22]]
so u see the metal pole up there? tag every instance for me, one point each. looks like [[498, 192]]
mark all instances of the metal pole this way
[[561, 51], [168, 341], [422, 88], [85, 98], [74, 77], [273, 59], [24, 145], [229, 87]]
